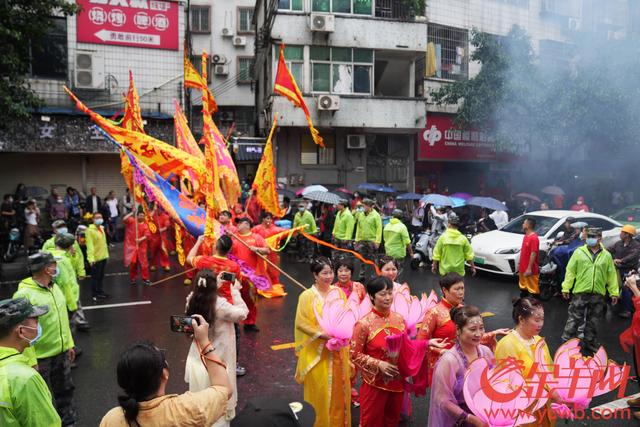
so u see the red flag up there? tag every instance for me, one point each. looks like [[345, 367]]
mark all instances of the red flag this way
[[286, 86]]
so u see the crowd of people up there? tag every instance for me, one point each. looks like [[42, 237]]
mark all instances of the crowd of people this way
[[38, 324]]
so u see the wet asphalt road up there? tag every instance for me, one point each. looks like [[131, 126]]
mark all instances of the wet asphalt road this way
[[269, 372]]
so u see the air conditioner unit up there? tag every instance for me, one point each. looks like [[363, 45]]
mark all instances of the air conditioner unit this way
[[328, 102], [219, 59], [89, 70], [239, 41], [227, 116], [574, 24], [227, 32], [322, 22], [356, 142], [221, 70]]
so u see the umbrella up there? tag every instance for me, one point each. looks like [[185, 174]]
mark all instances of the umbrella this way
[[528, 196], [437, 199], [324, 197], [410, 196], [376, 187], [463, 196], [553, 190], [458, 202], [287, 193], [487, 202], [343, 190], [309, 189]]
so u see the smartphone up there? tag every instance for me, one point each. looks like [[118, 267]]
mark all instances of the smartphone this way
[[227, 277], [181, 324]]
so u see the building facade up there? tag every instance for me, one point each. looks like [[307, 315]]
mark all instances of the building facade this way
[[468, 161], [92, 54], [357, 64]]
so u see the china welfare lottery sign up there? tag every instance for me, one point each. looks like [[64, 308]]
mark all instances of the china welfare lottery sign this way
[[137, 23]]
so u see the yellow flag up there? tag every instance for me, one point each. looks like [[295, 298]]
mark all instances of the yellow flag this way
[[265, 181], [431, 67]]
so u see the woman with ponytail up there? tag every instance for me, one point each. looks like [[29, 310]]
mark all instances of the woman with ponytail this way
[[222, 310], [143, 373]]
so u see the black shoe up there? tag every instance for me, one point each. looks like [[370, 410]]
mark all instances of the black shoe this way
[[79, 351], [147, 282], [83, 327], [102, 296], [251, 328], [133, 282]]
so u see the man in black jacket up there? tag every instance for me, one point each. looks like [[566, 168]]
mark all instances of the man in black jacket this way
[[625, 253], [93, 203]]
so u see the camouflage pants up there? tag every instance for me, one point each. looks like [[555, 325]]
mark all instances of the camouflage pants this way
[[56, 372], [368, 251], [587, 309]]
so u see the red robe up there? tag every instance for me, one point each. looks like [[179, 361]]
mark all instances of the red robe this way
[[630, 338], [158, 241], [253, 210], [273, 256], [252, 260], [136, 254]]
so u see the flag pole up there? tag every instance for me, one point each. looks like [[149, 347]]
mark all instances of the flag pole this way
[[303, 287]]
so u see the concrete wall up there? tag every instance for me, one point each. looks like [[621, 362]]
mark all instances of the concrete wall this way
[[158, 74], [224, 14]]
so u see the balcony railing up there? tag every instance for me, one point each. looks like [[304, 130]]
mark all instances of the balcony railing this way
[[403, 10]]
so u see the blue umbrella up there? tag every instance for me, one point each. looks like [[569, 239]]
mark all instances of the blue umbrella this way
[[458, 202], [376, 187], [487, 202], [438, 200], [410, 196]]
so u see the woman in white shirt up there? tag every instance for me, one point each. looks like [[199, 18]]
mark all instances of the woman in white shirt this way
[[31, 218]]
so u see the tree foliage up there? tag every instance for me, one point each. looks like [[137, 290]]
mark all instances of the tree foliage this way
[[23, 25], [588, 98]]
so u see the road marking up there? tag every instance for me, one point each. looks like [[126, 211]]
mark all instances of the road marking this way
[[487, 314], [608, 408], [124, 304], [121, 273], [283, 346]]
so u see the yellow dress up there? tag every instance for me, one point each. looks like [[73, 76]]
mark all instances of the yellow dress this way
[[324, 374], [511, 345]]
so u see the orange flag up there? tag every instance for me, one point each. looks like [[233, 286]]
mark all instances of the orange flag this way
[[184, 138], [265, 181], [286, 86], [163, 158], [132, 120], [193, 79]]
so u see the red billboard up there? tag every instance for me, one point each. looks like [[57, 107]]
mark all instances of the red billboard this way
[[138, 23], [440, 140]]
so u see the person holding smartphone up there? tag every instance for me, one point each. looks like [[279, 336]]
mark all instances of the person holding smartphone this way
[[143, 373]]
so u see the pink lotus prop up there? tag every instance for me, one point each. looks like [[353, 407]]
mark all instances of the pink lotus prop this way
[[498, 396], [411, 308], [336, 320], [578, 379], [394, 342], [361, 308], [430, 302]]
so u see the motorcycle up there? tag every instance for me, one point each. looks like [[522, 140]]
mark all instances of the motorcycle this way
[[13, 246], [423, 245], [549, 281]]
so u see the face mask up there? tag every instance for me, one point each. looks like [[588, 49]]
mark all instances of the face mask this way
[[301, 209], [360, 209], [579, 202], [62, 230], [56, 273], [592, 241], [99, 221], [59, 199], [38, 334]]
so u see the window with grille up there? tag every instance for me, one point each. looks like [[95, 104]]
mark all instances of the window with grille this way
[[290, 5], [341, 70], [200, 19], [245, 69], [313, 154], [447, 52], [49, 55], [197, 64], [245, 16], [356, 7]]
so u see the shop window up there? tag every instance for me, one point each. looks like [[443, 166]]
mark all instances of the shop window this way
[[200, 19], [290, 5], [245, 69], [341, 70], [356, 7], [313, 154], [49, 55], [450, 52], [245, 16]]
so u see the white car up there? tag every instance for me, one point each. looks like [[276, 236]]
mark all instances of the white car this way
[[498, 251]]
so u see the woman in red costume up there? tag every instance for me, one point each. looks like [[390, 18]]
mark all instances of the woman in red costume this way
[[439, 329], [344, 270], [382, 390], [158, 240], [630, 338], [267, 229], [135, 247]]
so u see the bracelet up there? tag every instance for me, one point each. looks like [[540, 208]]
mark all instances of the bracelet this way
[[216, 362]]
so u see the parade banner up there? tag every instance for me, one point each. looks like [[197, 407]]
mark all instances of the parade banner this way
[[148, 24], [264, 182]]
